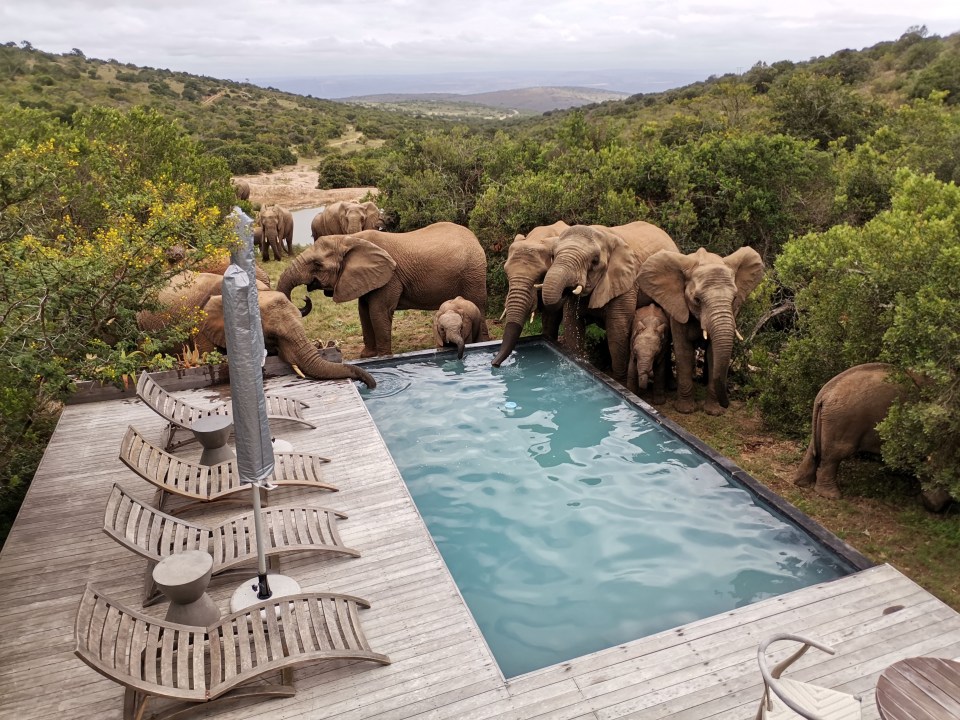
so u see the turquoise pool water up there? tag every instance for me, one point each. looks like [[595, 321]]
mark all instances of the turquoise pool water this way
[[571, 521]]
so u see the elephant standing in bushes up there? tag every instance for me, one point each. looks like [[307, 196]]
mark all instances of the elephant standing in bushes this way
[[702, 293], [599, 267], [188, 293], [242, 188], [276, 224], [385, 272], [346, 218], [457, 322], [528, 260], [649, 352]]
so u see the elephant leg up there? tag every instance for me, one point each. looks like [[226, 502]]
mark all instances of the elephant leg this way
[[683, 349], [827, 479], [382, 303], [661, 369], [618, 323], [550, 324], [807, 472], [369, 342]]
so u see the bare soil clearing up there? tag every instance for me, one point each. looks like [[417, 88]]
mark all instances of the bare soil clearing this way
[[294, 187]]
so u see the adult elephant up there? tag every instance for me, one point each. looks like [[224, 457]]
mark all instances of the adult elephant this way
[[528, 260], [345, 218], [242, 188], [702, 293], [277, 226], [385, 272], [594, 276], [283, 333]]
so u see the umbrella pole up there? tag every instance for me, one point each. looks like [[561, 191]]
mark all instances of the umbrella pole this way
[[263, 587]]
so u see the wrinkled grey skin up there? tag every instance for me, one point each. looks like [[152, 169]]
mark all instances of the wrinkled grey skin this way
[[702, 293], [528, 260], [385, 272], [649, 352], [242, 188], [846, 412], [282, 332], [346, 218], [277, 226], [457, 322]]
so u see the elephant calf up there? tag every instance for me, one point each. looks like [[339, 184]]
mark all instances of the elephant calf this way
[[457, 322], [845, 416], [649, 352]]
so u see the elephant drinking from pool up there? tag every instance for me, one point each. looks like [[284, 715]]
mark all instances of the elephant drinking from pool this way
[[385, 272]]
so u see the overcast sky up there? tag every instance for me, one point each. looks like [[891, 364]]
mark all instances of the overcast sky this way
[[239, 39]]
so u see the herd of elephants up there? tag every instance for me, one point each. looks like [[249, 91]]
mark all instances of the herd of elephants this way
[[658, 306]]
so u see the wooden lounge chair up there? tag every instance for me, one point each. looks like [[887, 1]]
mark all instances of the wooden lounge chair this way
[[155, 535], [786, 699], [153, 658], [206, 483], [180, 414]]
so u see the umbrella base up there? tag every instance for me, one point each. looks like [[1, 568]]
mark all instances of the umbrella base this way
[[246, 595]]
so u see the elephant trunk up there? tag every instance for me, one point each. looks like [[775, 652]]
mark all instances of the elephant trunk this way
[[559, 277], [293, 277], [721, 329], [520, 301], [451, 322], [311, 362]]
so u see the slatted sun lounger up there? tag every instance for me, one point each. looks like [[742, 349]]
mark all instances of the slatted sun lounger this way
[[180, 414], [153, 658], [206, 483], [155, 535]]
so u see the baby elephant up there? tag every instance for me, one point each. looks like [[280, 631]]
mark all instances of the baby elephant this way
[[457, 322], [649, 352], [845, 417]]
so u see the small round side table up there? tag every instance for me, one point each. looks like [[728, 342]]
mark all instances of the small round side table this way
[[183, 579], [212, 432]]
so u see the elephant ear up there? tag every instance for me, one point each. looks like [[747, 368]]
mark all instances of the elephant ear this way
[[437, 337], [747, 264], [366, 267], [212, 327], [663, 276], [622, 269]]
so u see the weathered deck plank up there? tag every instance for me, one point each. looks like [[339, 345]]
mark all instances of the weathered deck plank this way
[[442, 669]]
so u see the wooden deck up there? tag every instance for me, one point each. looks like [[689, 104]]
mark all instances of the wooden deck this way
[[441, 666]]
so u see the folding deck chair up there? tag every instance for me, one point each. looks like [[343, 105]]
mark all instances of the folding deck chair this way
[[180, 414], [153, 658]]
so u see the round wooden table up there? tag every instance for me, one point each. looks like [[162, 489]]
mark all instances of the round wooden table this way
[[920, 688]]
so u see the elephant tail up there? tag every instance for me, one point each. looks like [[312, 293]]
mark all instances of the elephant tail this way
[[816, 429]]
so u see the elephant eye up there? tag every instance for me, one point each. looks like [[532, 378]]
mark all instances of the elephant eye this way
[[595, 261]]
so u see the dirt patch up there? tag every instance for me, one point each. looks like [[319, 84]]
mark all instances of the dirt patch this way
[[295, 188]]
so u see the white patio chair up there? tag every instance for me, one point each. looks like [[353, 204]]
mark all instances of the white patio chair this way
[[786, 699]]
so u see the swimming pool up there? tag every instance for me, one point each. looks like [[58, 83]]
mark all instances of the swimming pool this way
[[570, 519]]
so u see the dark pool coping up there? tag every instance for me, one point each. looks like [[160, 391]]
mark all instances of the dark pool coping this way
[[848, 554]]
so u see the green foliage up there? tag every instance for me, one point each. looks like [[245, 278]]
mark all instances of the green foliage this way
[[89, 210], [815, 107], [336, 171], [884, 291], [943, 74]]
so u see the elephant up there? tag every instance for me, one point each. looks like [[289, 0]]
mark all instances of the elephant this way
[[188, 293], [415, 270], [277, 226], [283, 333], [528, 260], [242, 188], [702, 293], [346, 218], [457, 322], [600, 268], [649, 352]]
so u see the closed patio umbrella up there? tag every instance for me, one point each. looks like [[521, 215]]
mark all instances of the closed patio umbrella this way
[[245, 354]]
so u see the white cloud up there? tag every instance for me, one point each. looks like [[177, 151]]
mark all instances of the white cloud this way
[[242, 38]]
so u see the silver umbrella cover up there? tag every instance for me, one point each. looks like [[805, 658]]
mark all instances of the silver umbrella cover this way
[[245, 356]]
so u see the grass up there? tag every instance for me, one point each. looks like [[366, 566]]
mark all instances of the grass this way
[[880, 514]]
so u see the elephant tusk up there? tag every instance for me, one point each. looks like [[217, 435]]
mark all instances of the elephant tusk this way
[[578, 289], [503, 315], [298, 371], [532, 313], [739, 336], [537, 286], [705, 334]]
